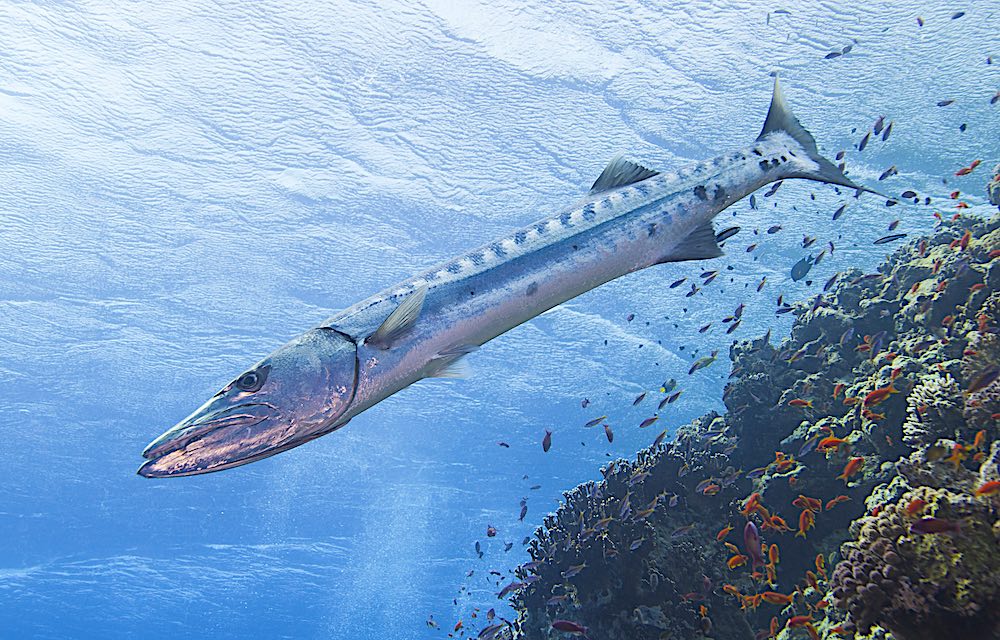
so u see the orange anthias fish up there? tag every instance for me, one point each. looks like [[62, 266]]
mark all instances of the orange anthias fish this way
[[879, 395], [821, 564], [837, 388], [979, 439], [988, 488], [772, 554], [831, 443], [852, 467], [963, 244], [958, 454], [751, 504], [723, 533], [915, 506], [807, 503], [806, 522], [851, 401], [736, 561], [835, 501], [799, 402], [776, 598]]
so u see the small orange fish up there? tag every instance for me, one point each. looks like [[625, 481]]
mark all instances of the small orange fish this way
[[954, 195], [772, 574], [799, 402], [772, 554], [834, 502], [852, 467], [736, 561], [963, 244], [895, 373], [776, 598], [703, 610], [837, 388], [976, 287], [732, 547], [807, 503], [983, 320], [777, 523], [868, 414], [994, 254], [915, 506], [723, 533], [979, 439], [988, 488], [731, 590], [958, 454], [961, 205], [750, 505], [458, 625], [851, 401], [775, 627], [936, 267], [947, 320], [798, 621], [812, 580], [879, 395], [806, 521], [914, 288], [821, 564], [830, 443], [979, 457]]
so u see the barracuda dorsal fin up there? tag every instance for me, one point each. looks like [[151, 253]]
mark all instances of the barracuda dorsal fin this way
[[700, 245], [399, 321], [620, 172]]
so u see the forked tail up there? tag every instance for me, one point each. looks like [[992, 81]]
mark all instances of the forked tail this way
[[781, 119]]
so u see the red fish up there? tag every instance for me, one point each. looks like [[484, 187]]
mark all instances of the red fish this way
[[852, 467], [837, 388], [570, 627], [807, 503], [988, 488], [915, 506], [776, 598], [879, 395], [799, 402], [835, 501], [723, 533], [806, 522]]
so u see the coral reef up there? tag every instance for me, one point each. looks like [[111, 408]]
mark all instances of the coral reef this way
[[885, 393], [922, 585]]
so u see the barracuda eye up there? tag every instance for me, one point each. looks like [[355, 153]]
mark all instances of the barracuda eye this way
[[253, 380]]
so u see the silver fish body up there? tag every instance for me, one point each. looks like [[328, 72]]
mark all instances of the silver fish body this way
[[632, 218]]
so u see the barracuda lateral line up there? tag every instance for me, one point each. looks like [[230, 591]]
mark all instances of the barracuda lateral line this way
[[632, 218]]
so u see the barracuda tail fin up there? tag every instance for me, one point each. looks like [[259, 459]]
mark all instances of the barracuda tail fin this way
[[780, 118]]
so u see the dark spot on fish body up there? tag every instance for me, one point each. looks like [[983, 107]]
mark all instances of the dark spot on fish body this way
[[540, 228], [720, 193], [757, 152], [476, 257], [564, 218], [497, 250], [589, 212], [784, 159], [520, 237], [532, 289], [701, 192], [764, 165], [775, 162], [651, 229], [454, 267]]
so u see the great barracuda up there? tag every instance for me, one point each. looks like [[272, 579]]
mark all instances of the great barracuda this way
[[631, 219]]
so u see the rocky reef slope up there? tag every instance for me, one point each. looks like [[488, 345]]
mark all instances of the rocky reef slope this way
[[850, 489]]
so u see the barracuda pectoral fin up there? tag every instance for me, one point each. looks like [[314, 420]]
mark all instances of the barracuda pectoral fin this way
[[451, 363], [399, 321], [620, 172], [699, 245]]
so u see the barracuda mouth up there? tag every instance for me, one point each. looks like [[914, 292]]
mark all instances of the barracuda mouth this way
[[218, 440]]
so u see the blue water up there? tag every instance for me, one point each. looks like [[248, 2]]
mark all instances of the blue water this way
[[184, 186]]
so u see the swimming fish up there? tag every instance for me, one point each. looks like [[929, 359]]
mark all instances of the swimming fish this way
[[890, 238], [801, 268], [424, 327]]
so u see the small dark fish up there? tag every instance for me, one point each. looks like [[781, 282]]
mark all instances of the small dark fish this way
[[733, 326], [785, 12], [890, 238], [819, 258], [929, 525], [920, 21], [784, 310], [705, 328], [885, 134], [639, 398], [673, 397], [648, 421], [846, 50], [668, 386], [751, 247], [677, 283], [893, 225], [840, 156], [877, 129], [524, 512], [753, 202], [569, 627], [864, 142], [808, 241], [693, 291], [839, 212], [984, 378], [888, 173], [507, 547], [945, 103], [908, 194], [801, 268], [630, 317], [962, 127], [957, 15], [585, 403], [503, 444], [596, 421], [609, 433], [674, 498], [479, 549], [995, 98], [775, 229], [774, 188], [547, 441], [726, 234], [636, 544], [832, 54], [831, 281], [535, 487], [659, 439]]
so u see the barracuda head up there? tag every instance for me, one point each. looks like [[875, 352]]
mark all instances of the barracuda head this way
[[298, 393]]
